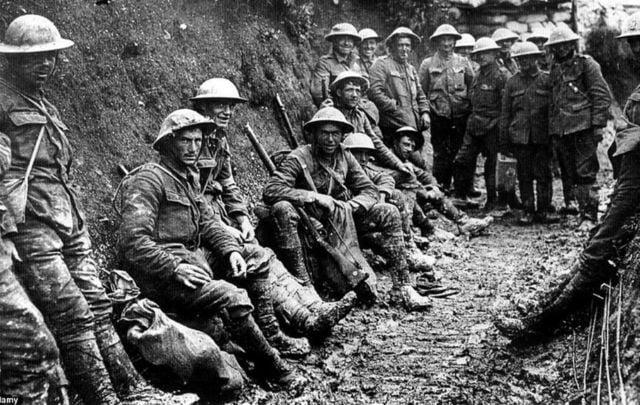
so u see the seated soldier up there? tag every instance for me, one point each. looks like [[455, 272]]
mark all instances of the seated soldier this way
[[361, 147], [216, 98], [421, 190], [331, 182], [177, 252]]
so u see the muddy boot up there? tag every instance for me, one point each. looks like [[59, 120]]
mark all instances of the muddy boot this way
[[293, 260], [492, 200], [329, 314], [473, 226], [419, 261], [546, 213], [567, 297], [86, 371], [247, 334], [401, 292], [288, 246], [260, 292]]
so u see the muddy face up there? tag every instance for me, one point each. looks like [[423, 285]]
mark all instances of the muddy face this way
[[368, 48], [528, 64], [404, 146], [506, 45], [33, 70], [219, 111], [464, 51], [402, 49], [186, 146], [485, 58], [349, 95], [562, 51], [343, 45], [361, 155], [327, 139], [634, 43], [446, 44]]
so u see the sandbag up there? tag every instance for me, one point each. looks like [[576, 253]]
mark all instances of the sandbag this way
[[190, 354]]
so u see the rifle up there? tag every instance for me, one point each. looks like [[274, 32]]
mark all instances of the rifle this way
[[325, 88], [352, 271], [291, 139]]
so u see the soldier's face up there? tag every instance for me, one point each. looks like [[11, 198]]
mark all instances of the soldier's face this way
[[361, 155], [186, 146], [328, 137], [368, 48], [34, 69], [343, 45], [446, 44], [350, 95], [219, 111], [539, 42], [634, 43], [402, 48], [528, 63], [485, 58], [464, 51], [562, 50], [506, 45], [404, 146]]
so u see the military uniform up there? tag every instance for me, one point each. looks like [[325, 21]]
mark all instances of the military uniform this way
[[524, 128], [509, 64], [445, 82], [482, 130], [579, 105]]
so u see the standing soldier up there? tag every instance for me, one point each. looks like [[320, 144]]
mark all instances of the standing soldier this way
[[464, 46], [592, 268], [579, 110], [525, 131], [483, 123], [505, 39], [52, 238], [344, 38], [325, 176], [396, 91], [179, 253], [539, 37], [368, 46], [445, 78]]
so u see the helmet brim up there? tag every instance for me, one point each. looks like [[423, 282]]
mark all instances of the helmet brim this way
[[416, 135], [236, 100], [344, 126], [563, 41], [628, 35], [207, 127], [415, 39], [364, 83], [489, 49], [330, 36], [58, 45], [532, 53], [436, 36]]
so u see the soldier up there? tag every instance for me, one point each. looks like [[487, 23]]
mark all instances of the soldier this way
[[342, 187], [464, 46], [343, 37], [505, 39], [29, 357], [445, 78], [396, 91], [52, 240], [539, 37], [524, 131], [580, 103], [482, 126], [178, 253], [368, 46], [216, 98], [421, 190], [593, 266]]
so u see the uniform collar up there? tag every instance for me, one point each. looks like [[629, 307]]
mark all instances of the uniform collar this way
[[184, 173]]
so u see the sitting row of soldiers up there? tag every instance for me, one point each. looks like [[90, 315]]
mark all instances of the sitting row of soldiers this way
[[506, 104]]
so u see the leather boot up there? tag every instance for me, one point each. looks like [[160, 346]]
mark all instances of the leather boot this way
[[419, 261], [247, 334], [288, 247], [545, 213], [329, 314], [401, 290], [473, 226], [86, 371], [293, 260], [492, 199], [260, 292]]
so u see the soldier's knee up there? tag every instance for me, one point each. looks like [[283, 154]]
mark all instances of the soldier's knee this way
[[222, 296], [258, 259], [85, 275]]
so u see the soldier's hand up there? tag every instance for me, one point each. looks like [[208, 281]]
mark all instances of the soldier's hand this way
[[238, 265], [191, 276], [325, 202], [235, 233], [406, 168], [425, 120], [326, 103], [246, 228], [383, 197]]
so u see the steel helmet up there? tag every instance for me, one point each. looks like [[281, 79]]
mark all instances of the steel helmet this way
[[485, 44], [358, 140], [329, 115], [539, 33], [632, 27], [524, 49], [218, 89], [368, 33], [343, 30], [182, 119], [466, 41], [32, 33], [445, 30], [403, 32], [503, 34], [350, 75], [411, 132], [561, 34]]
